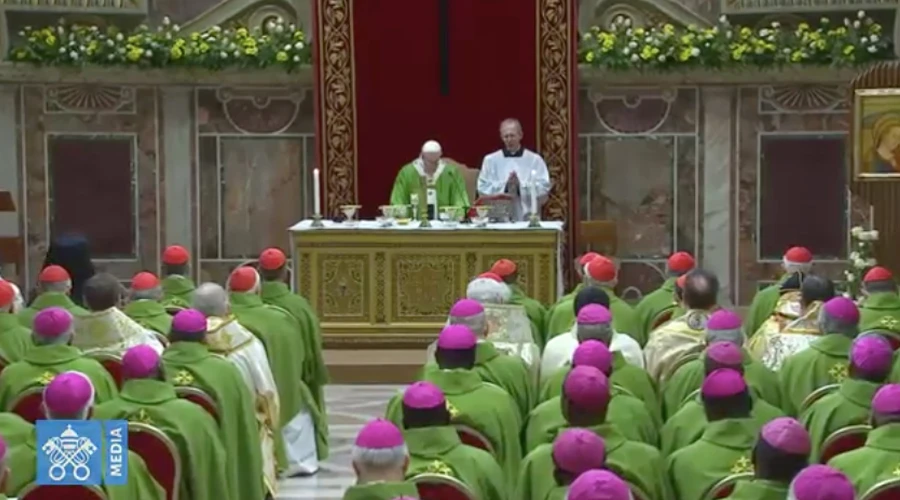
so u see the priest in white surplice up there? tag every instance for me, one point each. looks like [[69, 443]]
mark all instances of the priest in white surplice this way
[[515, 171], [226, 337]]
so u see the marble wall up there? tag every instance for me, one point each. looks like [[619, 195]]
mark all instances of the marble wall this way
[[220, 170]]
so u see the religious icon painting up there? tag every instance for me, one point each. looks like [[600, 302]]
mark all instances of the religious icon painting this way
[[876, 134]]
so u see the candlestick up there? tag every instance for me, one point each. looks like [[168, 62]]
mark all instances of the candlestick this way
[[533, 193], [317, 198], [871, 217]]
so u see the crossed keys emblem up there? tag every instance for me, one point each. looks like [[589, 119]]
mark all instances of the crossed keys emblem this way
[[69, 450]]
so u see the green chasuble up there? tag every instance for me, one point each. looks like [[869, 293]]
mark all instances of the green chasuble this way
[[178, 291], [873, 463], [510, 373], [280, 334], [381, 491], [759, 489], [49, 299], [438, 450], [562, 317], [763, 304], [687, 425], [41, 363], [277, 293], [624, 374], [22, 463], [536, 312], [191, 428], [851, 404], [449, 183], [15, 339], [626, 412], [823, 363], [637, 463], [880, 311], [725, 448], [480, 405], [651, 306], [150, 314], [536, 480], [190, 364], [14, 429], [689, 377]]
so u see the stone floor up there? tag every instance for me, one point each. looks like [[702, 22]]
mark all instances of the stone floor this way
[[349, 407]]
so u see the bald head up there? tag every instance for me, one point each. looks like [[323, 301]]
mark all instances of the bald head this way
[[102, 291], [701, 289], [211, 299]]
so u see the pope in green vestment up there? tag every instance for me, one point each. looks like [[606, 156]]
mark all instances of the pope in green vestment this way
[[878, 460], [190, 364], [381, 491], [193, 430], [426, 173], [14, 429], [49, 299], [823, 363]]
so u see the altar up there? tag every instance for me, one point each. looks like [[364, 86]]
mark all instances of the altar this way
[[392, 287]]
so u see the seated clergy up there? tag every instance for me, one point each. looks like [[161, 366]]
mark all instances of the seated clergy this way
[[578, 266], [626, 412], [15, 339], [54, 287], [825, 362], [435, 448], [52, 354], [303, 424], [573, 452], [472, 402], [105, 328], [683, 335], [788, 307], [655, 304], [144, 304], [146, 398], [14, 429], [772, 348], [723, 326], [380, 460], [781, 452], [878, 459], [728, 439], [70, 396], [188, 363], [820, 482], [687, 424], [599, 485], [509, 272], [871, 359], [178, 288], [796, 260], [585, 403], [880, 309]]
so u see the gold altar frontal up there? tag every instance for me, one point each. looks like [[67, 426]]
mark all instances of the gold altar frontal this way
[[393, 288]]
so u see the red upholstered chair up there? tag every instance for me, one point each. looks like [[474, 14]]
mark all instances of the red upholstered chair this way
[[725, 486], [441, 487], [112, 364], [160, 455], [892, 338], [200, 398], [817, 395], [843, 440], [29, 404], [37, 492], [885, 490], [471, 437]]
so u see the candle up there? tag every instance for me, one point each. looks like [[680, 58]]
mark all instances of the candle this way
[[317, 201], [871, 216], [533, 192]]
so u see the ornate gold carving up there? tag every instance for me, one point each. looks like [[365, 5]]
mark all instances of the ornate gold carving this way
[[471, 265], [304, 274], [126, 5], [343, 286], [380, 291], [337, 115], [424, 286], [542, 292]]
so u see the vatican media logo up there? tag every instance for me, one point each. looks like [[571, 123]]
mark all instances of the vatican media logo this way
[[82, 452]]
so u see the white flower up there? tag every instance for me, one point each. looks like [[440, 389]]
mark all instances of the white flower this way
[[237, 53], [823, 20], [120, 37], [270, 25], [73, 55], [870, 262], [859, 263], [82, 48], [110, 42], [288, 47], [872, 49], [764, 32], [723, 19], [279, 29], [627, 21], [873, 38], [873, 234], [695, 52], [626, 51], [847, 295], [846, 22], [662, 58], [855, 230], [148, 53], [299, 45], [111, 57], [729, 34], [166, 21], [223, 55], [776, 24], [849, 276], [176, 28], [619, 20], [863, 40], [296, 59], [635, 58], [854, 255], [632, 45], [21, 33], [62, 50], [856, 24], [861, 14]]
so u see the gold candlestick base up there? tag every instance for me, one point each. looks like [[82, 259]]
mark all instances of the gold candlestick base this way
[[534, 221], [317, 221]]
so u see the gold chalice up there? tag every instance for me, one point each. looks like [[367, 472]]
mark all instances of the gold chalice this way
[[450, 216], [349, 212], [401, 214]]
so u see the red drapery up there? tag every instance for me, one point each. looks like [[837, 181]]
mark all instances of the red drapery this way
[[492, 75]]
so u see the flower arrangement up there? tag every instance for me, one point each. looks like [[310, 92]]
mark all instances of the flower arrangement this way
[[661, 47], [277, 44], [861, 259]]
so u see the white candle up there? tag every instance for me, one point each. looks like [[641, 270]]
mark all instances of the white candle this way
[[871, 216], [317, 201], [533, 192]]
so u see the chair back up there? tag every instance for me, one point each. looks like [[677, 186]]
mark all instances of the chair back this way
[[662, 318], [29, 405], [162, 338], [112, 364], [893, 338], [888, 489], [817, 395], [200, 398], [172, 310], [441, 487], [69, 492], [725, 486], [599, 235], [470, 177], [637, 493], [472, 437], [843, 440], [160, 455]]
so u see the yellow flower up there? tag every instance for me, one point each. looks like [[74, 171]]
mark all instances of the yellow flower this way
[[50, 40], [797, 56], [203, 47], [848, 49], [281, 56], [176, 52], [195, 36], [241, 32], [134, 53], [21, 54], [649, 52], [589, 56], [251, 51], [299, 36]]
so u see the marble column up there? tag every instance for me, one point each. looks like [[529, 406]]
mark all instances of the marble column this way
[[10, 169], [718, 104], [178, 132]]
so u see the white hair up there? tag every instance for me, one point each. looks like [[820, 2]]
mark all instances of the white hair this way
[[828, 324], [795, 267], [735, 336], [56, 286], [488, 291], [155, 293], [599, 331], [380, 459], [211, 299], [63, 338], [477, 323]]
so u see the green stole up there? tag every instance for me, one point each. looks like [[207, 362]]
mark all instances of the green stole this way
[[450, 186], [823, 363], [725, 448], [49, 299], [178, 291], [150, 314], [14, 429]]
